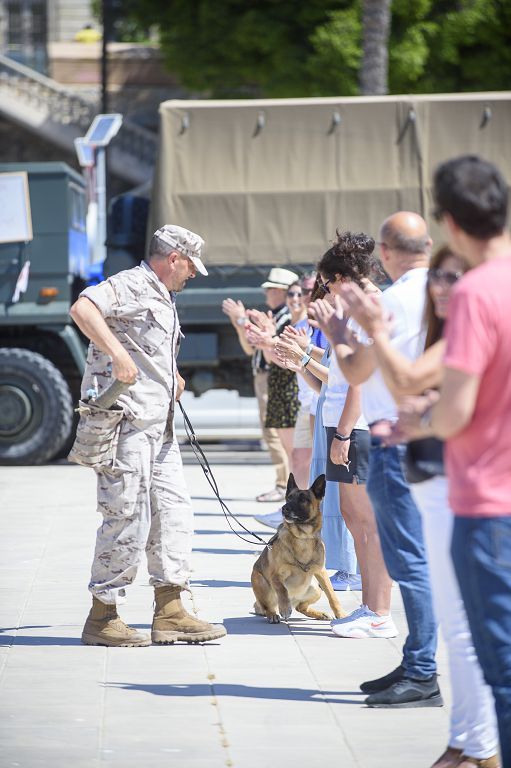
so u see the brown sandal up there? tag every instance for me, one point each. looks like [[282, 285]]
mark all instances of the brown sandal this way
[[483, 762]]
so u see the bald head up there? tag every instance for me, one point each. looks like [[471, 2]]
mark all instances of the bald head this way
[[404, 243], [406, 232]]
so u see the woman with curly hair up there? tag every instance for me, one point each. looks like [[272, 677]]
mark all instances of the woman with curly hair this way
[[351, 259]]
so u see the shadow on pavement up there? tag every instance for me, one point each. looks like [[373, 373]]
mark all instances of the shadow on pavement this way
[[252, 624], [40, 640], [243, 691]]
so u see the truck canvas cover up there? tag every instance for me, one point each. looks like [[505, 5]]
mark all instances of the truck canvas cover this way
[[269, 181]]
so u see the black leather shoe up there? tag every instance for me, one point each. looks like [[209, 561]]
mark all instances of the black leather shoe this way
[[382, 683], [408, 693]]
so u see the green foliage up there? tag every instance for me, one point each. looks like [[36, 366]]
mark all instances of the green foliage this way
[[251, 48], [335, 60]]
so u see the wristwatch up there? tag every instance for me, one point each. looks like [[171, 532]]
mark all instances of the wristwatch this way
[[342, 438], [305, 360], [241, 320]]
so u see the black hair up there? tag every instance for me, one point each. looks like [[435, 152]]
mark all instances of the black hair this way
[[474, 193], [350, 256]]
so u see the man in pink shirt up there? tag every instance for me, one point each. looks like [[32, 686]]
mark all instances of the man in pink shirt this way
[[473, 413]]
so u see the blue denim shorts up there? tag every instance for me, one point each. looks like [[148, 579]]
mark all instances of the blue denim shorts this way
[[358, 456]]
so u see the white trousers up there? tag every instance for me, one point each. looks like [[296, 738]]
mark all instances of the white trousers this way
[[146, 507], [473, 723]]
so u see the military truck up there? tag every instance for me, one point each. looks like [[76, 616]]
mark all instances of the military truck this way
[[267, 182], [41, 354]]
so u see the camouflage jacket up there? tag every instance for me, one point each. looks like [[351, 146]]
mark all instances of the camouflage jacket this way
[[142, 314]]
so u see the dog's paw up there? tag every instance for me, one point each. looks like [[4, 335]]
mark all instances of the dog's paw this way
[[324, 616], [273, 618], [285, 611]]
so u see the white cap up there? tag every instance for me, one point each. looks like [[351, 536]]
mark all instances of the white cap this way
[[280, 278], [184, 241]]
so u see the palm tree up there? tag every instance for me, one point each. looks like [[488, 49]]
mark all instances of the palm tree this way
[[375, 37]]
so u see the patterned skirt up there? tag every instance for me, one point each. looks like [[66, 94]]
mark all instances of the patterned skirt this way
[[283, 403]]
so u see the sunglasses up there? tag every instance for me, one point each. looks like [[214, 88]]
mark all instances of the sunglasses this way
[[440, 276], [292, 294], [306, 291], [323, 286]]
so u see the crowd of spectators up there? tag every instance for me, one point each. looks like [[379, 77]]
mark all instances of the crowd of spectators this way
[[373, 369]]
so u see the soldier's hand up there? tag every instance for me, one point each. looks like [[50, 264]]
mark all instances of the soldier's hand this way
[[123, 368], [181, 384]]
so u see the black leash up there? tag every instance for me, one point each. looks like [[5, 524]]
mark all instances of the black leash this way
[[204, 463]]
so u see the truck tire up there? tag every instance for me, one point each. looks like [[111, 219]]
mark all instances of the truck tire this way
[[36, 408]]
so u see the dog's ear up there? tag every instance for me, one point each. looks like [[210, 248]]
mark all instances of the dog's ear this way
[[291, 484], [318, 487]]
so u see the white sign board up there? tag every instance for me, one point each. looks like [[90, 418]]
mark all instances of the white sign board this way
[[15, 216]]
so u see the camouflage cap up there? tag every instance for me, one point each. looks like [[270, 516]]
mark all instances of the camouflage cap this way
[[184, 241]]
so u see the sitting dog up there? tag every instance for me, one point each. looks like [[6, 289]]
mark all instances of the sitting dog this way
[[282, 577]]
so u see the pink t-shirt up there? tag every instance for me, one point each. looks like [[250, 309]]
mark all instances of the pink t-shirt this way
[[478, 334]]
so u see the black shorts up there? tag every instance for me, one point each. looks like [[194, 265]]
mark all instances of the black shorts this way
[[358, 455]]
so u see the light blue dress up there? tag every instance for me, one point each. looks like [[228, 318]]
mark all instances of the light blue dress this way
[[339, 546]]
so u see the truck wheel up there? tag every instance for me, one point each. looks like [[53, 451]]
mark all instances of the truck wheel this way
[[36, 408]]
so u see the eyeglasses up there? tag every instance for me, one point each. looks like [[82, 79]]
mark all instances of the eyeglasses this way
[[292, 294], [323, 286], [440, 276], [306, 291]]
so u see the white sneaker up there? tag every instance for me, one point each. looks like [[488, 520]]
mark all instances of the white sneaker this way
[[342, 581], [272, 519], [360, 611], [365, 623]]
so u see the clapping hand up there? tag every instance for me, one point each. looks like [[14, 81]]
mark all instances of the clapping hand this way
[[233, 309], [258, 337], [298, 336], [288, 353], [364, 308], [330, 319]]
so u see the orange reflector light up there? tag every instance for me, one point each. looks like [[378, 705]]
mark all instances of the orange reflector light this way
[[49, 292]]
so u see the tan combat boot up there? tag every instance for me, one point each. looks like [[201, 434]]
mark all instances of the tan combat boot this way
[[105, 627], [172, 623]]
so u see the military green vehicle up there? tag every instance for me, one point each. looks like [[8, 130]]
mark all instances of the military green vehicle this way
[[41, 353]]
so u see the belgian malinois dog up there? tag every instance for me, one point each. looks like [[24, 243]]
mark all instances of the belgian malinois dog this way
[[282, 577]]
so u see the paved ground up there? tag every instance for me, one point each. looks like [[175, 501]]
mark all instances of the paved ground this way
[[266, 695]]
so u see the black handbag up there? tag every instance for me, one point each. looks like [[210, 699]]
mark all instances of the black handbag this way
[[424, 459]]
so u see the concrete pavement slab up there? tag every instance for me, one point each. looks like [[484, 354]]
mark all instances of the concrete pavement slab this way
[[265, 695]]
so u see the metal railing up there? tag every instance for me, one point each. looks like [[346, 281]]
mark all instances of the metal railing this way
[[65, 107]]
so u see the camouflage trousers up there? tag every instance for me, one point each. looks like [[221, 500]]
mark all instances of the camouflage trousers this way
[[146, 507]]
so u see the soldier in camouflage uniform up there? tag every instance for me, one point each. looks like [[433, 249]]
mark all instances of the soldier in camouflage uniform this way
[[132, 322]]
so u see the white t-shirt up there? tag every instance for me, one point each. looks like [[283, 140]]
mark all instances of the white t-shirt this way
[[404, 301], [335, 397]]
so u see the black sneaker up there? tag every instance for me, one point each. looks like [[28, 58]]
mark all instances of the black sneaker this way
[[408, 693], [382, 683]]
